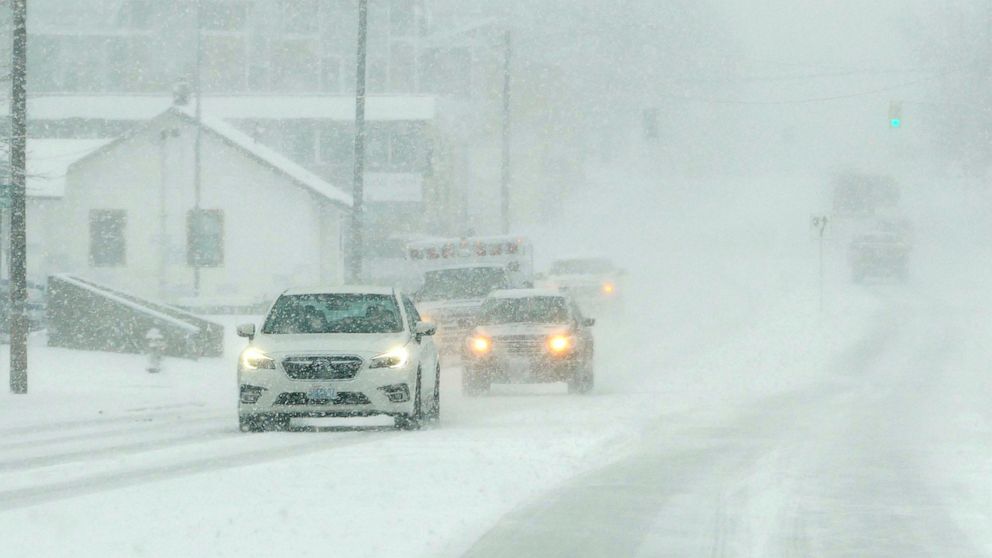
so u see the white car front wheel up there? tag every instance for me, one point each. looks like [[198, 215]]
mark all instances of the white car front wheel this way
[[413, 420]]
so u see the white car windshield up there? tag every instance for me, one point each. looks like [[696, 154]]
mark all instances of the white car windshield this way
[[334, 313]]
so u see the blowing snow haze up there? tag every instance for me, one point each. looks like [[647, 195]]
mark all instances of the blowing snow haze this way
[[589, 278]]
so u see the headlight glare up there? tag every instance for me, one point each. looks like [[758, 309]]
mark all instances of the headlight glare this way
[[393, 358], [560, 343], [480, 345], [255, 359]]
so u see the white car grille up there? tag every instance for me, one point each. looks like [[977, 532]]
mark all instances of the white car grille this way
[[333, 367]]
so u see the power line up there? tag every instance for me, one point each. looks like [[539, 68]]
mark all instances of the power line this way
[[805, 100], [797, 77]]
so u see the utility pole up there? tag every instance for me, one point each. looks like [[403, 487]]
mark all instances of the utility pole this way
[[195, 230], [358, 187], [504, 190], [18, 239]]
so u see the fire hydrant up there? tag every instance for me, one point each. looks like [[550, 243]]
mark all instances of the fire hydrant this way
[[155, 344]]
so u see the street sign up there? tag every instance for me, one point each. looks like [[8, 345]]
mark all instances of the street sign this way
[[818, 226]]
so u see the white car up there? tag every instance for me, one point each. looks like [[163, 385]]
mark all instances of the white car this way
[[352, 351]]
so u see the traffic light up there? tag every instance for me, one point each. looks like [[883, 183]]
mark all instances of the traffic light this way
[[895, 114], [649, 123]]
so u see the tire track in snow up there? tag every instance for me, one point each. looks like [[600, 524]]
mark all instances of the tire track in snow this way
[[91, 484], [100, 421], [611, 511], [875, 493], [117, 450], [138, 428]]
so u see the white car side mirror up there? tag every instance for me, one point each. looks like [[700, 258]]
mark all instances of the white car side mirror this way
[[425, 328], [247, 330]]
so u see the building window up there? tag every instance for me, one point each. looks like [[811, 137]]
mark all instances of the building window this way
[[296, 65], [402, 67], [224, 62], [398, 147], [330, 72], [337, 145], [108, 246], [406, 148], [44, 59], [402, 18], [301, 141], [377, 149], [299, 17], [84, 63], [137, 14], [223, 15], [376, 74], [205, 237]]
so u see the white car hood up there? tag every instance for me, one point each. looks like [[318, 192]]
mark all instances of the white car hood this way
[[364, 343]]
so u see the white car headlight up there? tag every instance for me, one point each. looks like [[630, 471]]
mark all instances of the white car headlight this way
[[393, 358], [254, 359]]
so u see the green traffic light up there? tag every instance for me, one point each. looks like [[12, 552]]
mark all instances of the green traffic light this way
[[895, 122]]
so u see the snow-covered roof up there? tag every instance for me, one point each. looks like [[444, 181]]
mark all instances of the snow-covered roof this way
[[49, 159], [270, 157], [342, 289], [247, 107]]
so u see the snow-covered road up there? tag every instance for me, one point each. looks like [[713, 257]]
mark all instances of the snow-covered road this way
[[888, 454], [730, 417]]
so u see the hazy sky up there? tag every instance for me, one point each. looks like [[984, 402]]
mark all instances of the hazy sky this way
[[822, 32]]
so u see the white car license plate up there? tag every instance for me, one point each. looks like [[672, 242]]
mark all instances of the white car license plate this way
[[322, 393]]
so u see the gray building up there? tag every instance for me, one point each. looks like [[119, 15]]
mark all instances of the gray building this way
[[247, 46], [281, 71]]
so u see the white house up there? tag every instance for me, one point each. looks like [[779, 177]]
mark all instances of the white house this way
[[128, 216]]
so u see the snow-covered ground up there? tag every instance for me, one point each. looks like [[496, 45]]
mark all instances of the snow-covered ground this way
[[731, 417]]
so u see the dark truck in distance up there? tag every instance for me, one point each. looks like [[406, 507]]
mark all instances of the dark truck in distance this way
[[879, 254]]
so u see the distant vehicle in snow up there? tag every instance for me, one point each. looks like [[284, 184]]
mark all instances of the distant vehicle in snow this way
[[593, 282], [529, 336], [864, 195], [386, 262], [451, 298], [882, 254], [459, 273], [350, 351]]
